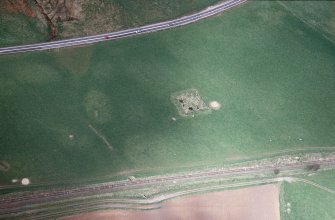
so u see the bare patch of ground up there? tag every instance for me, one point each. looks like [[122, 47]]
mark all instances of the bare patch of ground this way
[[62, 10], [254, 203], [52, 26], [19, 6], [82, 17], [189, 102]]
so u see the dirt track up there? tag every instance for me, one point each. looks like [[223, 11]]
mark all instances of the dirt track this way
[[255, 203]]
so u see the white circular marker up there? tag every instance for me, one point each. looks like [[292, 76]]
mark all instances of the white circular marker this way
[[215, 105], [25, 181], [71, 136]]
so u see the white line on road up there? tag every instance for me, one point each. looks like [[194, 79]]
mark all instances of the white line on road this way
[[210, 11]]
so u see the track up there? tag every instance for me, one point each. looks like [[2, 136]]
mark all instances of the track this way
[[137, 204], [18, 203], [154, 203], [210, 11]]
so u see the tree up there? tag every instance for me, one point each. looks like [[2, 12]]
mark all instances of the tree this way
[[313, 167], [276, 171]]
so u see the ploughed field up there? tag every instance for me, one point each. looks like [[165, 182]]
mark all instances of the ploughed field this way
[[253, 81]]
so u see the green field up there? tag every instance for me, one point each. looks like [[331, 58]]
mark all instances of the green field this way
[[324, 178], [272, 74], [17, 28], [318, 15], [307, 202], [96, 17], [135, 13], [101, 16]]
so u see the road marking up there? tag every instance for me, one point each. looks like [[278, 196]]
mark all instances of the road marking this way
[[209, 11]]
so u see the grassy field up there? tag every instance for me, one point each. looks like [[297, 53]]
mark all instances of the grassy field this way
[[272, 74], [89, 17], [324, 178], [306, 202], [19, 28], [101, 16], [145, 12], [319, 16]]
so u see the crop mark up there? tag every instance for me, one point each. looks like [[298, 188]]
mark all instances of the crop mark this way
[[101, 136]]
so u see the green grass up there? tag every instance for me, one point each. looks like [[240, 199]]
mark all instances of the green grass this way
[[98, 16], [307, 202], [111, 15], [273, 75], [316, 14], [18, 29], [324, 178], [144, 12]]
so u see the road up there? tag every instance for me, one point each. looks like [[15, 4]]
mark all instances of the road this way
[[18, 203], [155, 202], [210, 11]]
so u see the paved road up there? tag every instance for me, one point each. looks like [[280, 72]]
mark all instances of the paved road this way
[[137, 204], [85, 206], [210, 11], [19, 203]]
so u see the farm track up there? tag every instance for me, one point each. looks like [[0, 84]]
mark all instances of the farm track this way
[[141, 204], [107, 178], [21, 203]]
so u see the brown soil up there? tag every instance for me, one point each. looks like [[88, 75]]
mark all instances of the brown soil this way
[[255, 203], [52, 26], [62, 10], [19, 6]]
